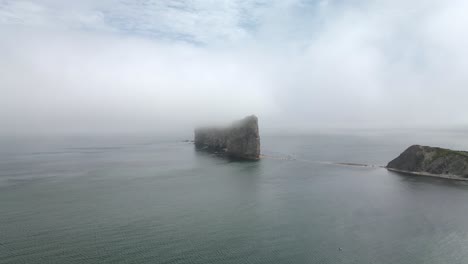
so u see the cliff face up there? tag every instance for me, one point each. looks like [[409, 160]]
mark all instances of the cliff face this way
[[430, 160], [240, 140], [213, 139]]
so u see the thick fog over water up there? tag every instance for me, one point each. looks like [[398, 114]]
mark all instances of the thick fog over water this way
[[115, 65]]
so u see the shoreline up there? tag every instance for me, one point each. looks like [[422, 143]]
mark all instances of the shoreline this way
[[442, 176], [360, 165]]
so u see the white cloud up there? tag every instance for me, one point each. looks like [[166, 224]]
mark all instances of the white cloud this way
[[84, 80], [117, 64]]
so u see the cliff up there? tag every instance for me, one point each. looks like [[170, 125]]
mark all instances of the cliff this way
[[240, 140], [431, 161]]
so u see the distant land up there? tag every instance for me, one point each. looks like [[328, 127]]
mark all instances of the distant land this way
[[432, 161]]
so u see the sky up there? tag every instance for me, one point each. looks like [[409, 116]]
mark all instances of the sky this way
[[299, 65]]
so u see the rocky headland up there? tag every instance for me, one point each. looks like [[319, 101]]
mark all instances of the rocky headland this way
[[432, 161], [241, 140]]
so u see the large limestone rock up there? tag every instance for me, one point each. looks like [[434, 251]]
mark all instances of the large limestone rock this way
[[431, 161], [212, 139], [240, 140]]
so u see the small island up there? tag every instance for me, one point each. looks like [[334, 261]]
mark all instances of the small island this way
[[432, 161], [241, 140]]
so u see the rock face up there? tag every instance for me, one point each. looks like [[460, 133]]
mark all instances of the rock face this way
[[240, 140], [432, 161]]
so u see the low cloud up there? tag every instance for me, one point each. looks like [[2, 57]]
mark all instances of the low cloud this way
[[115, 66]]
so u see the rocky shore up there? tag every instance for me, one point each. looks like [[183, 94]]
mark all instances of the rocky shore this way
[[432, 161]]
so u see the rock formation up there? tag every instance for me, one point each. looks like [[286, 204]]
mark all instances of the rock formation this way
[[240, 140], [431, 161]]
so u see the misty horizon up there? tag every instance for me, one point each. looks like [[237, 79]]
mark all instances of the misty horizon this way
[[157, 66]]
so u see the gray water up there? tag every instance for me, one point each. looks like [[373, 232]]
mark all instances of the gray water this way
[[148, 199]]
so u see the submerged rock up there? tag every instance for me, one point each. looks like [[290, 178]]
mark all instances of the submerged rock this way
[[432, 161], [240, 140]]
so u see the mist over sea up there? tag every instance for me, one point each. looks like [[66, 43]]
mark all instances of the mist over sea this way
[[153, 199]]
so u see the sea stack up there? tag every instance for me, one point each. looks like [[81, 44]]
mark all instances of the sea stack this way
[[431, 161], [241, 140]]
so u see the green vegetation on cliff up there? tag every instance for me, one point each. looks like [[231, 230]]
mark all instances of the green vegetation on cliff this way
[[431, 160]]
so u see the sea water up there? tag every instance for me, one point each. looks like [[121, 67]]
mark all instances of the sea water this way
[[152, 199]]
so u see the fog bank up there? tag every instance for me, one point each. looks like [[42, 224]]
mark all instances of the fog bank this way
[[163, 66]]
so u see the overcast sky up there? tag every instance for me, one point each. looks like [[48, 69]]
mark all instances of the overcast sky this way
[[130, 65]]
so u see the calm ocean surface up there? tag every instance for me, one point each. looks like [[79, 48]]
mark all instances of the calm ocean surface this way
[[148, 199]]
